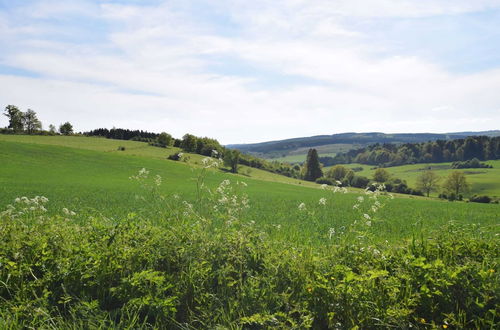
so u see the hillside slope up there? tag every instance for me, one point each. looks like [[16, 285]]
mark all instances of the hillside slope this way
[[331, 144]]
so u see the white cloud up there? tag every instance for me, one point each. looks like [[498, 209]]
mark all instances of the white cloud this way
[[154, 72]]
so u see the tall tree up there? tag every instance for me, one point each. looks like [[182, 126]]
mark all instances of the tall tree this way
[[427, 182], [66, 128], [189, 143], [15, 118], [231, 159], [164, 140], [381, 175], [456, 183], [31, 122], [312, 168]]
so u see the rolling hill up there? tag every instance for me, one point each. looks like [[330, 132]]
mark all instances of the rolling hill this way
[[295, 149]]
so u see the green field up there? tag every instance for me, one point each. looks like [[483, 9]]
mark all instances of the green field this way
[[483, 181], [188, 255]]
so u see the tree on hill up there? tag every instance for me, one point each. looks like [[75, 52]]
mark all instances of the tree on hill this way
[[427, 182], [312, 168], [189, 143], [231, 159], [456, 183], [15, 118], [66, 128], [381, 175], [338, 172], [164, 140], [30, 121]]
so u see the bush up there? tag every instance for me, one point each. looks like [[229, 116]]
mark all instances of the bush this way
[[324, 180], [121, 148], [176, 156], [480, 199], [360, 181]]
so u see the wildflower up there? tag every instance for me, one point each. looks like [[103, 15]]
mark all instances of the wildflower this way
[[361, 199], [331, 232], [374, 209], [355, 206], [445, 326], [65, 211], [369, 223], [17, 200], [158, 180], [338, 182], [322, 201], [367, 216], [324, 186], [309, 289], [302, 206]]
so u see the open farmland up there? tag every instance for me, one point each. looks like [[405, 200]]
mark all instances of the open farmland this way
[[196, 247], [483, 181]]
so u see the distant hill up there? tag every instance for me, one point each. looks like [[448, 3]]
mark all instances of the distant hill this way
[[293, 149]]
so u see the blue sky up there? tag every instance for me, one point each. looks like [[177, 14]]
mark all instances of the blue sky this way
[[249, 71]]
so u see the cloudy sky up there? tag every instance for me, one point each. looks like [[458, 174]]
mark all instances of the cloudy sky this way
[[250, 71]]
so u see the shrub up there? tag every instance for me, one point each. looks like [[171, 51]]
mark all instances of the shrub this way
[[480, 199], [324, 180], [360, 181], [121, 148]]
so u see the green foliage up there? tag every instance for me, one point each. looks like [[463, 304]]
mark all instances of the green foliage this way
[[428, 181], [456, 183], [231, 159], [164, 140], [66, 128], [103, 253], [381, 175], [337, 172], [15, 118], [31, 122], [143, 271], [312, 167]]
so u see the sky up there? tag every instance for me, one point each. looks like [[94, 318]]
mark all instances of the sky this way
[[250, 71]]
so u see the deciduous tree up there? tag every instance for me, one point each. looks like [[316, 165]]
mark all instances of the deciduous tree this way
[[456, 183], [66, 128], [15, 118], [381, 175], [427, 182], [31, 122], [231, 159]]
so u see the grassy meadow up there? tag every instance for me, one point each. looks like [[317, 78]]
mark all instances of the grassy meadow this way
[[483, 181], [188, 245]]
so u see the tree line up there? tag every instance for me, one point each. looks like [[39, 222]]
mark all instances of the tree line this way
[[27, 122], [480, 147]]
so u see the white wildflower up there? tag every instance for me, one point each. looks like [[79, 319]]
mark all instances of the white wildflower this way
[[331, 232], [157, 180], [338, 182], [324, 186], [368, 223], [302, 206], [360, 199], [322, 201], [355, 206], [367, 216], [65, 211]]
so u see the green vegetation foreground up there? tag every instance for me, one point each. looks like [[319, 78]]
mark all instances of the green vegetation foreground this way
[[167, 251]]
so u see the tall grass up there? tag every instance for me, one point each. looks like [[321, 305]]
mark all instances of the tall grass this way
[[209, 262]]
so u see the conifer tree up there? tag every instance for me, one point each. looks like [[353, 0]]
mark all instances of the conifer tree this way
[[312, 168]]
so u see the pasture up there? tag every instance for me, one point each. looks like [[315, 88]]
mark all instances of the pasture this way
[[188, 245]]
